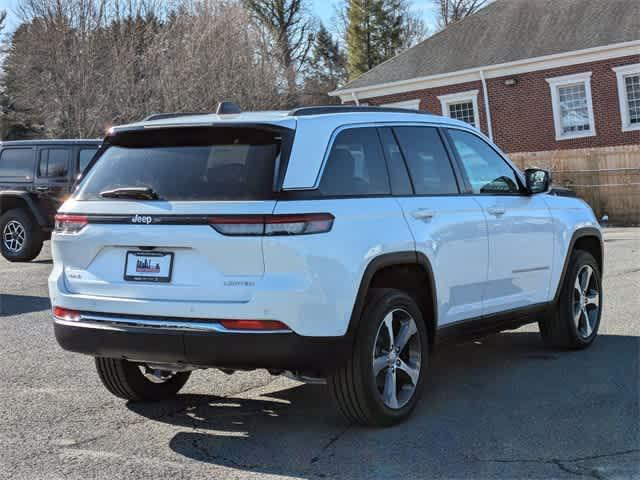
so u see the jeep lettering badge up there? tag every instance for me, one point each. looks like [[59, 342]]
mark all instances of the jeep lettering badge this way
[[141, 219]]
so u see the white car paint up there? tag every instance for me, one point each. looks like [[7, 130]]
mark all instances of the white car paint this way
[[482, 263]]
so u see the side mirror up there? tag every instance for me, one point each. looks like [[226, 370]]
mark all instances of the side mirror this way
[[538, 180]]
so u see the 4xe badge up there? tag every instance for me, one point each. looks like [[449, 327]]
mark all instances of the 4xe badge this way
[[144, 219]]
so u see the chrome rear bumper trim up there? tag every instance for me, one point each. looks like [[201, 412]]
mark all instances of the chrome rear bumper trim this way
[[123, 324]]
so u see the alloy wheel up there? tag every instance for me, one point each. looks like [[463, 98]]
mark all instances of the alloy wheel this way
[[397, 358], [586, 301], [13, 236]]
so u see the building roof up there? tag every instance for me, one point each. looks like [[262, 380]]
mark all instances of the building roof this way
[[508, 31]]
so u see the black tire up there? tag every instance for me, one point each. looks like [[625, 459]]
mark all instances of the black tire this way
[[33, 237], [559, 329], [125, 380], [353, 387]]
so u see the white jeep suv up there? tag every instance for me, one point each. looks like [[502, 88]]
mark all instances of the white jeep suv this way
[[341, 243]]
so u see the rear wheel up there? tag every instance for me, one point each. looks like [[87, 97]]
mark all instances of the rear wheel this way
[[20, 236], [574, 323], [134, 381], [380, 383]]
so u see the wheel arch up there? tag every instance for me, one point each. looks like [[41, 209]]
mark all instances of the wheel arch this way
[[588, 239], [409, 271], [10, 200]]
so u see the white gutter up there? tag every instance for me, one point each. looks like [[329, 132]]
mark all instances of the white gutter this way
[[355, 98], [487, 110]]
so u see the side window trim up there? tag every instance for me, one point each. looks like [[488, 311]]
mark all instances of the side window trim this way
[[42, 165], [464, 186], [515, 171], [404, 159], [388, 131]]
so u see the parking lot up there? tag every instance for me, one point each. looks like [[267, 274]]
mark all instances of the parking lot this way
[[501, 407]]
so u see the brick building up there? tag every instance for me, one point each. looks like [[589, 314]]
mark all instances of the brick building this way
[[553, 83]]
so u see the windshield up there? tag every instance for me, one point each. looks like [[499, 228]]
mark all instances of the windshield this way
[[188, 164]]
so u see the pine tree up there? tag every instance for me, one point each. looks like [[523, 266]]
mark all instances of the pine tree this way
[[377, 30], [327, 69], [359, 34], [327, 59]]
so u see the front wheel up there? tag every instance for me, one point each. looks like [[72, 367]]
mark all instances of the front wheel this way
[[134, 381], [574, 323], [380, 383]]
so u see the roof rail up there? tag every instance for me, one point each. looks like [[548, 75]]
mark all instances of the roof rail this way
[[328, 109], [162, 116]]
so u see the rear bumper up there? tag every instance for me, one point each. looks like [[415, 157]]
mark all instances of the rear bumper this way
[[176, 341]]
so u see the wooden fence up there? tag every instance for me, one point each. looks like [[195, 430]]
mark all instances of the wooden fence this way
[[607, 178]]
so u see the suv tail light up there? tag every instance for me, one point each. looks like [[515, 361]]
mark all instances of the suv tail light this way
[[66, 314], [296, 224], [70, 223], [253, 325]]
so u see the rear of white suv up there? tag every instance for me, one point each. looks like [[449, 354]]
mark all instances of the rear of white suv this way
[[328, 244]]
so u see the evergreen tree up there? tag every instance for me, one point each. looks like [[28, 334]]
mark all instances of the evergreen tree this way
[[327, 69], [327, 59], [377, 30]]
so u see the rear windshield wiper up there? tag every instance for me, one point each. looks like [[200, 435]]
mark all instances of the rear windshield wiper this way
[[136, 193]]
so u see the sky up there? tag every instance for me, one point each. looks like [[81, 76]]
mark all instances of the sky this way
[[322, 8]]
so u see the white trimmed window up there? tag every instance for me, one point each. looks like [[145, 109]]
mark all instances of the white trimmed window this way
[[461, 106], [409, 104], [572, 106], [629, 96]]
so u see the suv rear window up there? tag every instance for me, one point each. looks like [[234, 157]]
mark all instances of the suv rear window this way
[[214, 163]]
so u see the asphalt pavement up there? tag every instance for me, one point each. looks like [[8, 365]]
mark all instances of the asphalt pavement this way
[[502, 407]]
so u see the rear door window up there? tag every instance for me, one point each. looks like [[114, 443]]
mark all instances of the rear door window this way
[[17, 164], [199, 164], [427, 159], [54, 162], [355, 165]]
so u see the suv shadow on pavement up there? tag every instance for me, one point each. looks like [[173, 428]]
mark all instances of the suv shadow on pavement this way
[[21, 304], [503, 406]]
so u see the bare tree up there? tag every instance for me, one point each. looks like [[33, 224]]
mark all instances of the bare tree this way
[[291, 29], [453, 11], [75, 67]]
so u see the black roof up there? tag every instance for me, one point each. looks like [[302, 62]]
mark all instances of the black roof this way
[[51, 141]]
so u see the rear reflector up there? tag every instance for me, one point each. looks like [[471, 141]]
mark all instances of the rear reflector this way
[[65, 314], [70, 223], [253, 325], [296, 224]]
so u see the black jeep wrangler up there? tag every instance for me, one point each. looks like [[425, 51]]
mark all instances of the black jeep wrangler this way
[[36, 176]]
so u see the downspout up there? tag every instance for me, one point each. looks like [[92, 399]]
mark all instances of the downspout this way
[[487, 110], [355, 98]]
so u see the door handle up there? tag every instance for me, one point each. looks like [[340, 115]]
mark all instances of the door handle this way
[[423, 214], [42, 189], [497, 211]]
